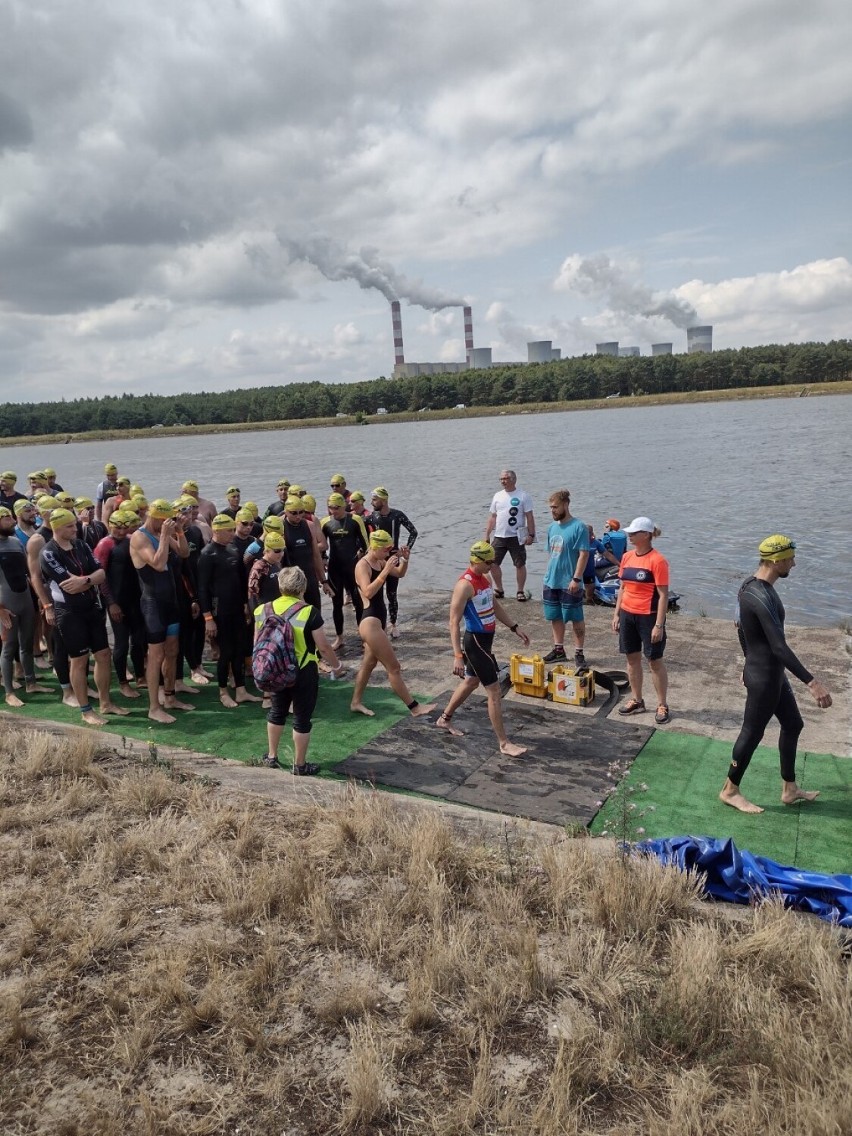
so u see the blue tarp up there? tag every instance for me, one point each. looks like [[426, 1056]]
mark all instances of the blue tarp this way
[[740, 877]]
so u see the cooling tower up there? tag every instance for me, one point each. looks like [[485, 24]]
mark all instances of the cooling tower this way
[[396, 316], [699, 339], [607, 348], [540, 351], [627, 352], [480, 357], [661, 348]]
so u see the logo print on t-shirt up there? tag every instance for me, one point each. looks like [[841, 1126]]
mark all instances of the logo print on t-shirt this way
[[641, 574], [514, 502]]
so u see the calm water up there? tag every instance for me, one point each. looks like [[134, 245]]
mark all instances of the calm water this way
[[716, 479]]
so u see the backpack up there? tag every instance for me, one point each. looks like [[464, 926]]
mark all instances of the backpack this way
[[274, 663]]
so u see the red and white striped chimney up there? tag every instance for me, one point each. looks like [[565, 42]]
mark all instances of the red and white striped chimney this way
[[396, 316], [468, 332]]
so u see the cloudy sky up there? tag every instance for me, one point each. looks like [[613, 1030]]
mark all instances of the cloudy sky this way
[[206, 195]]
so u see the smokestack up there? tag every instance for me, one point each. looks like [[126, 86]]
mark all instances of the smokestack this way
[[396, 316], [699, 339], [468, 332]]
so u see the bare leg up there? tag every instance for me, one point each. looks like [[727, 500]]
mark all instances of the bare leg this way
[[497, 577], [103, 674], [273, 738], [579, 630], [368, 665], [79, 682], [732, 796], [170, 655], [459, 696], [558, 629], [495, 713], [153, 669], [791, 794], [300, 747], [634, 674], [522, 577], [660, 678]]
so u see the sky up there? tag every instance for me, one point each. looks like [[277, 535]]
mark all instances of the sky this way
[[226, 194]]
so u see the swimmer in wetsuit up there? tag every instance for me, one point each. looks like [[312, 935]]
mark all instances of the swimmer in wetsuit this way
[[347, 542], [152, 548], [760, 626], [391, 521], [370, 575]]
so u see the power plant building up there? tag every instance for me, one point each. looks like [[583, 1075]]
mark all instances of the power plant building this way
[[479, 358], [661, 348], [699, 339], [628, 352], [607, 348], [540, 352]]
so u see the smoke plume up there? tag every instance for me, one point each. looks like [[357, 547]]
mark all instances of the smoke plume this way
[[367, 269], [597, 276]]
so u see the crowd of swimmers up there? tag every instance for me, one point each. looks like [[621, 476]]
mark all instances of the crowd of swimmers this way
[[182, 583]]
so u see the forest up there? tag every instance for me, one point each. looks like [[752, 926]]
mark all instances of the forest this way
[[564, 380]]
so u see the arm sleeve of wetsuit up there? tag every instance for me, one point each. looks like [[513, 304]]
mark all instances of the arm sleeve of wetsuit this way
[[362, 532], [774, 633], [205, 581], [408, 526]]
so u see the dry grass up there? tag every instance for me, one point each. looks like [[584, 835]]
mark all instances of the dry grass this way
[[171, 962]]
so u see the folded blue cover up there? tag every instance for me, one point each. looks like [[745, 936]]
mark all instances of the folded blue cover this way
[[739, 877]]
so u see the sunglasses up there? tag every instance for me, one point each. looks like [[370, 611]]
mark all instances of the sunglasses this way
[[336, 484]]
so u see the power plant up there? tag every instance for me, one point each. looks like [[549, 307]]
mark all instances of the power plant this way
[[698, 339]]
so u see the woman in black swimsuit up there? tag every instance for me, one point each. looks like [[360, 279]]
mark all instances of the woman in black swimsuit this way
[[370, 575]]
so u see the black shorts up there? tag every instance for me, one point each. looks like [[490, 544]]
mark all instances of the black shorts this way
[[510, 544], [478, 659], [634, 634], [162, 618], [82, 631]]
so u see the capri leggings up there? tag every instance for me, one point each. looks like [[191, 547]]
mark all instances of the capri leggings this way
[[302, 697], [770, 697]]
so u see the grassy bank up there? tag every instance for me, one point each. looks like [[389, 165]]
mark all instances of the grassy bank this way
[[177, 961], [674, 398]]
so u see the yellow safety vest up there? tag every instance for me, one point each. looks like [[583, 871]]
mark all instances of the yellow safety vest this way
[[281, 606]]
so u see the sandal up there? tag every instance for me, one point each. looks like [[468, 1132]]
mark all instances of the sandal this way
[[521, 597], [633, 706], [662, 715], [498, 594]]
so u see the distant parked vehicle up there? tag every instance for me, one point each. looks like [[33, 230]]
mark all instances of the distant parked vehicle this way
[[381, 410], [460, 406]]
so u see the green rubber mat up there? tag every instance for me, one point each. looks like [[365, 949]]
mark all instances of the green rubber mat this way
[[684, 774], [237, 734]]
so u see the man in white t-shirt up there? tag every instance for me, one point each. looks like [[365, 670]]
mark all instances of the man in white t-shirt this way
[[511, 521]]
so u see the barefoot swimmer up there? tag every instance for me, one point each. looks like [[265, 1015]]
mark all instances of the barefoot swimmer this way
[[760, 625], [370, 576], [473, 602]]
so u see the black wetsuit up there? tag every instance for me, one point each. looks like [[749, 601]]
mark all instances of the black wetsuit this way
[[122, 587], [392, 523], [760, 626], [375, 607], [223, 591], [300, 554], [191, 638], [346, 544], [159, 596]]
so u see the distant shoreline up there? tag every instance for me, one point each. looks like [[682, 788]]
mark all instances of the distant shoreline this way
[[673, 398]]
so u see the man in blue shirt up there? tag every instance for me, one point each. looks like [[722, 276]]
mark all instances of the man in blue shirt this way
[[568, 549]]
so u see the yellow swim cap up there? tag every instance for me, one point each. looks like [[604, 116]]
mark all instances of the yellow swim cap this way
[[21, 504], [283, 483], [84, 503], [310, 502], [273, 524], [777, 548], [110, 468], [4, 512], [275, 541], [161, 509], [481, 552], [337, 479], [188, 499], [293, 503], [337, 500], [137, 491], [381, 492], [49, 471], [356, 495], [251, 506], [223, 521], [190, 487], [380, 539], [245, 515], [231, 490], [64, 499], [46, 503], [61, 517], [296, 491], [8, 475], [124, 481], [139, 502]]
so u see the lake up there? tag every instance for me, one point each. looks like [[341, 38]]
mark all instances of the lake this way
[[715, 477]]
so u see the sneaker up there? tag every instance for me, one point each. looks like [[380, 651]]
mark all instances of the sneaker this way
[[557, 655], [271, 762], [580, 661], [309, 769]]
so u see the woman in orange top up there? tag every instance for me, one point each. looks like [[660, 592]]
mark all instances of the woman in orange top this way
[[639, 618]]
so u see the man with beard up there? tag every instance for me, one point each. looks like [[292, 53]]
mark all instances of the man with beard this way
[[303, 552], [8, 494]]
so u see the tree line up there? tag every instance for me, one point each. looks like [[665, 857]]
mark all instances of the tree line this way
[[562, 380]]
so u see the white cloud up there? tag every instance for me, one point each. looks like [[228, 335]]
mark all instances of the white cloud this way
[[151, 154]]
